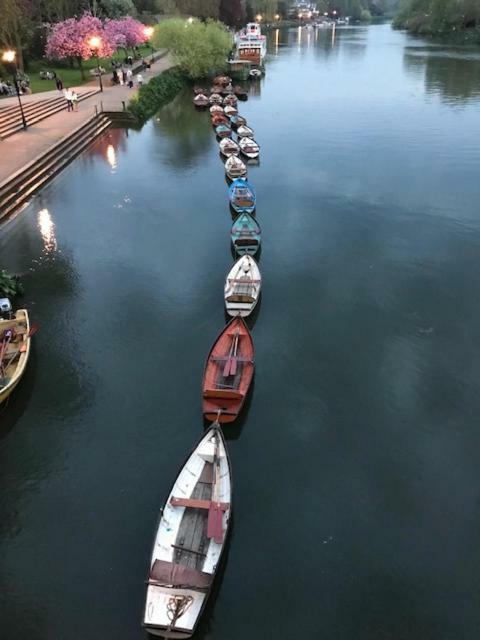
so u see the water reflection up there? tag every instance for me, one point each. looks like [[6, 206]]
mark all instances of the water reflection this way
[[47, 229], [112, 156], [452, 75], [185, 128]]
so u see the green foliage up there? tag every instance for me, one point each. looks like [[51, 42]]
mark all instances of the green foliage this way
[[117, 8], [438, 16], [156, 93], [9, 285], [198, 48], [365, 15]]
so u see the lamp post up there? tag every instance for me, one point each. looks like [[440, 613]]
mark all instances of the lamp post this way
[[9, 58], [95, 43], [148, 31]]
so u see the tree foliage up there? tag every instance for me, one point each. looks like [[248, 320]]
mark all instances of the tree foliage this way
[[198, 48], [233, 12], [125, 32], [438, 16]]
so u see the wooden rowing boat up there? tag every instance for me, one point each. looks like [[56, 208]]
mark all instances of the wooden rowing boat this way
[[242, 196], [246, 235], [240, 92], [237, 121], [219, 118], [216, 98], [228, 372], [222, 81], [216, 109], [230, 99], [190, 540], [242, 287], [223, 131], [249, 147], [201, 100], [235, 168], [244, 132], [229, 147], [14, 351], [230, 111]]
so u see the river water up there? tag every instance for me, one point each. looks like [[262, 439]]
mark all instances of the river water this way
[[356, 462]]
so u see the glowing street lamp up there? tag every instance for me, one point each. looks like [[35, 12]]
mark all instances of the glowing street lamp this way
[[95, 43], [277, 17], [9, 57], [190, 20], [148, 32], [259, 17]]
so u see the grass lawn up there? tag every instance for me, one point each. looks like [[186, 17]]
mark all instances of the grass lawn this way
[[72, 77]]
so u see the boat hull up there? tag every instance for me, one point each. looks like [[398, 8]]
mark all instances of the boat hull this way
[[16, 371]]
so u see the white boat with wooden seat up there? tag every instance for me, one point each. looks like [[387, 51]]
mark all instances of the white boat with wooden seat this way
[[229, 147], [216, 108], [244, 132], [249, 147], [230, 111], [242, 287], [235, 168], [14, 351], [216, 98], [190, 540]]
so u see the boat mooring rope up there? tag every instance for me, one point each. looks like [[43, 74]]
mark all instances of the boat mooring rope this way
[[176, 607]]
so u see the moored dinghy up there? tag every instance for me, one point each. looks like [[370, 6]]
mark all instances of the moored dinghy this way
[[230, 111], [200, 100], [14, 351], [231, 99], [246, 234], [242, 287], [237, 121], [249, 147], [235, 168], [242, 196], [216, 108], [216, 98], [244, 132], [223, 131], [240, 92], [219, 118], [228, 372], [190, 540], [229, 147]]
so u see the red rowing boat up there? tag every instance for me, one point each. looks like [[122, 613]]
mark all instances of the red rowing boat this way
[[228, 372]]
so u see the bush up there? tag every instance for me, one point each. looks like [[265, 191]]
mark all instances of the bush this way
[[365, 15], [198, 48], [156, 93], [9, 285]]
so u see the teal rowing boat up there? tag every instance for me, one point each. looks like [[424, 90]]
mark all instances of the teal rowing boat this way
[[246, 234]]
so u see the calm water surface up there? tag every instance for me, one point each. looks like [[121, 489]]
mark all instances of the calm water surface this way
[[357, 460]]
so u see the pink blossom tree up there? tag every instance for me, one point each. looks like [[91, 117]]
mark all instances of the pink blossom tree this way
[[71, 39], [126, 32]]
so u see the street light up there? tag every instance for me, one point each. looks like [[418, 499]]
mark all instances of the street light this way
[[148, 31], [258, 17], [95, 43], [277, 17], [9, 58]]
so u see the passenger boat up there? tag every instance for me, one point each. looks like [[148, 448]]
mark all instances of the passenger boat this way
[[255, 73], [216, 98], [235, 168], [216, 108], [246, 235], [223, 131], [230, 111], [14, 351], [190, 540], [201, 100], [251, 44], [244, 132], [242, 287], [242, 196], [249, 147], [219, 118], [237, 121], [231, 99], [228, 372], [229, 147], [240, 92]]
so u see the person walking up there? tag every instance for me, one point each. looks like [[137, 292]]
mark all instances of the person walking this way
[[59, 83], [68, 97], [74, 100], [130, 78], [124, 76], [139, 79]]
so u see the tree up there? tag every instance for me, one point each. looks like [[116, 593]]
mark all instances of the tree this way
[[125, 32], [70, 39], [117, 8], [198, 48], [199, 8], [233, 12], [15, 26]]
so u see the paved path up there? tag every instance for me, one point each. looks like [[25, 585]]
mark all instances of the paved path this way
[[21, 148]]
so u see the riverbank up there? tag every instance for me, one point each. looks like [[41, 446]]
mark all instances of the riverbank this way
[[25, 146]]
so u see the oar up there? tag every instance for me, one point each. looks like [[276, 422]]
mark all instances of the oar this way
[[233, 363], [228, 364], [33, 330]]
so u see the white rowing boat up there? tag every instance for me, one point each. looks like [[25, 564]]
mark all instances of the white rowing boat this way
[[242, 287], [249, 147], [235, 168]]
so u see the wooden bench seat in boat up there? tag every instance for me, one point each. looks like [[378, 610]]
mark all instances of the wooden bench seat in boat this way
[[178, 575], [198, 504], [228, 394]]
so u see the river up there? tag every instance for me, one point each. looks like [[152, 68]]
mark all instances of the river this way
[[356, 461]]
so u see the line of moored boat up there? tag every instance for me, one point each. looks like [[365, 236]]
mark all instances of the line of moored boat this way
[[195, 519]]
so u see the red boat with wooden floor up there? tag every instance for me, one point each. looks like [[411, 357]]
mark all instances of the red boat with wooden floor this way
[[228, 372]]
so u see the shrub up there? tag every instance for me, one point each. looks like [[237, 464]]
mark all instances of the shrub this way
[[9, 285], [156, 93]]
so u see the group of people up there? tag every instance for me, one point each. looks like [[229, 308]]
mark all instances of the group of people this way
[[71, 96], [7, 88], [123, 76]]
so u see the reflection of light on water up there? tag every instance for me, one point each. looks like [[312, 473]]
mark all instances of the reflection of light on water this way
[[308, 38], [111, 156], [277, 34], [47, 229]]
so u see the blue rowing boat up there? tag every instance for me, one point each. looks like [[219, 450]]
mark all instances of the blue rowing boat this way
[[246, 235], [223, 131], [242, 196]]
